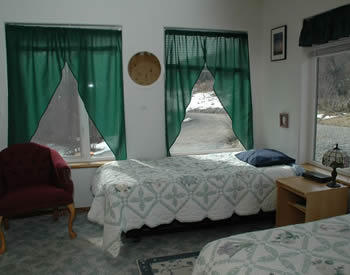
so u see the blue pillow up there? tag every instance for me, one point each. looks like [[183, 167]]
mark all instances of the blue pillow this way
[[264, 157]]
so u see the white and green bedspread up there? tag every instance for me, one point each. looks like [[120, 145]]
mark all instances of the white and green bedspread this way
[[129, 194], [320, 247]]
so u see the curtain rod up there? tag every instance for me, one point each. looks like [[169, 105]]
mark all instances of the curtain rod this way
[[118, 27], [203, 30]]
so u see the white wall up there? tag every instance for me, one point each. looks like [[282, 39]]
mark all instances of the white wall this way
[[143, 25], [284, 83]]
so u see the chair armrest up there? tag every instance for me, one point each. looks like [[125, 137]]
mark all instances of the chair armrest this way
[[64, 179], [62, 172]]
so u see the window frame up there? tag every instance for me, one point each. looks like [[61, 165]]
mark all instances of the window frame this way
[[85, 139], [84, 131], [310, 71]]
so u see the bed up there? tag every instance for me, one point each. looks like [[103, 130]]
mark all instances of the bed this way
[[131, 193], [319, 247]]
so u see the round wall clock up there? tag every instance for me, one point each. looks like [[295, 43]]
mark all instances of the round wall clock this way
[[144, 68]]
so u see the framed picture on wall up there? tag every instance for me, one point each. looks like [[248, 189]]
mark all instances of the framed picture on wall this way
[[279, 43]]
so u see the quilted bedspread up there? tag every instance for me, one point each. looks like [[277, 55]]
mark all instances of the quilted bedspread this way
[[129, 194], [320, 247]]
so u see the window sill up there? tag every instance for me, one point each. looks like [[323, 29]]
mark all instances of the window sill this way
[[92, 164], [343, 179], [216, 151]]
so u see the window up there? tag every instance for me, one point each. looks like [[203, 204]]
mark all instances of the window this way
[[332, 104], [36, 56], [225, 54], [206, 127], [66, 127]]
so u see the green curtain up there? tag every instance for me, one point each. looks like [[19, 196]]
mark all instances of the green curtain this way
[[35, 59], [328, 26], [227, 58]]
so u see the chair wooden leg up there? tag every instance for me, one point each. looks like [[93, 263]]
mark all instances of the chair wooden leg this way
[[2, 238], [55, 214], [6, 223], [71, 209]]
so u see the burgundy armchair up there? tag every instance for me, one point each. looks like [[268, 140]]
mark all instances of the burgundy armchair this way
[[33, 177]]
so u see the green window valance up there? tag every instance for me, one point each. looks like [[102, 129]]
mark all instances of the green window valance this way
[[35, 59], [226, 55], [329, 26]]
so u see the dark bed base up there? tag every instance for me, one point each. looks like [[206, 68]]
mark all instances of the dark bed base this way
[[176, 226]]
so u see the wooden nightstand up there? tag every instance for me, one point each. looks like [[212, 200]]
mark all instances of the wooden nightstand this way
[[301, 200]]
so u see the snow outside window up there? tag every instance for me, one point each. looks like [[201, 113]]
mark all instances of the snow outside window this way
[[333, 104], [66, 127], [206, 128]]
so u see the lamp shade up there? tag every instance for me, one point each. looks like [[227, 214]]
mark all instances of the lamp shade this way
[[336, 158]]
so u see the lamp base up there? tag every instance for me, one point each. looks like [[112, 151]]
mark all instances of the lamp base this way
[[333, 185]]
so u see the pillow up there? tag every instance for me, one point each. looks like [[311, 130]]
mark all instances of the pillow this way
[[264, 157]]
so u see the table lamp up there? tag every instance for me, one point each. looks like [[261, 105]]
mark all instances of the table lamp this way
[[335, 158]]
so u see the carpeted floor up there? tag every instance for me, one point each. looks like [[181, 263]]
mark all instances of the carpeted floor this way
[[38, 245]]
